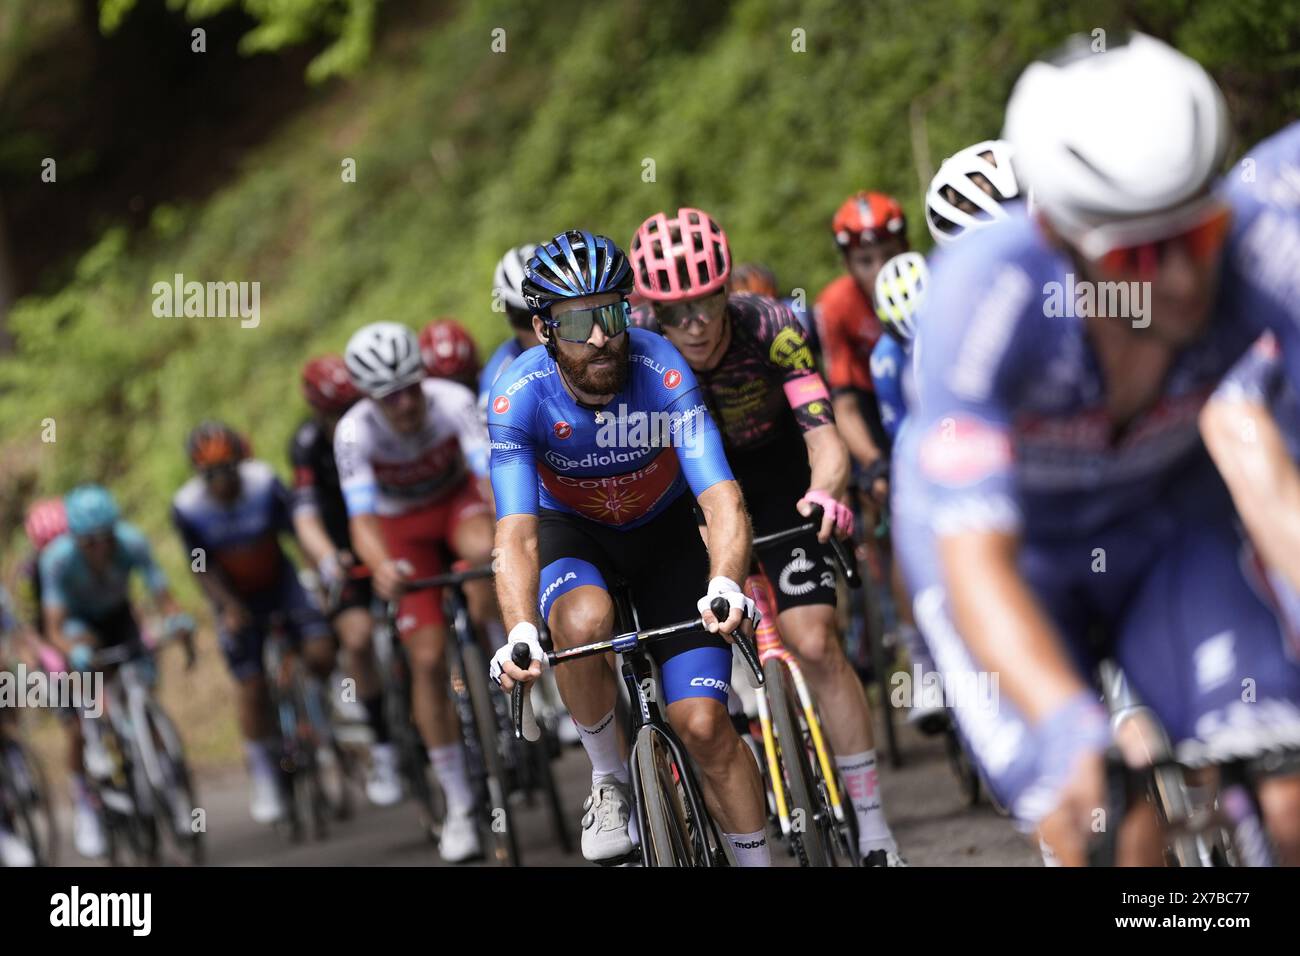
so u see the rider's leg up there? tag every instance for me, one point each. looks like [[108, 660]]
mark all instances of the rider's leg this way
[[472, 531], [733, 790], [354, 627], [435, 716], [589, 687]]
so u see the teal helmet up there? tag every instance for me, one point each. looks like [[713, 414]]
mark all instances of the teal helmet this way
[[90, 508]]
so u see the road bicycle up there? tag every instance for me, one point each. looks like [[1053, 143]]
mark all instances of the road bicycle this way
[[316, 773], [136, 768], [25, 805], [805, 785], [676, 829], [498, 765]]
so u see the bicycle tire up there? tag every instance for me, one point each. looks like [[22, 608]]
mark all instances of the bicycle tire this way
[[807, 842], [962, 766], [669, 844], [35, 801], [474, 668], [177, 790]]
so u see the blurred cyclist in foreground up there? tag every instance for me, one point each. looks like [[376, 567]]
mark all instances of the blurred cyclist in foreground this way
[[1054, 484]]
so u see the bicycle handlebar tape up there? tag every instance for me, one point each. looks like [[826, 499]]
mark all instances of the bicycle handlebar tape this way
[[521, 706], [842, 554], [740, 644]]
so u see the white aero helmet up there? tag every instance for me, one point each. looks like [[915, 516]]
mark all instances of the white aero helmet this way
[[1133, 131], [508, 280], [989, 160], [383, 357], [900, 287]]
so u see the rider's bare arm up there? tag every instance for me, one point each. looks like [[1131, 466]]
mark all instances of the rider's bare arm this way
[[828, 458], [311, 534], [728, 537], [1002, 623], [517, 569], [1251, 454], [853, 429]]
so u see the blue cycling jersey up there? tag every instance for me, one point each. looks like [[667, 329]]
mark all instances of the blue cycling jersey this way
[[506, 352], [891, 372], [69, 583], [621, 465], [1014, 432], [239, 539]]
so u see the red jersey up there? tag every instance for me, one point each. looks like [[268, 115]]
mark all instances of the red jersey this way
[[849, 330]]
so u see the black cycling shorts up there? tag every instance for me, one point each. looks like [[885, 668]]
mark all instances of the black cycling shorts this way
[[773, 478], [666, 567], [356, 592]]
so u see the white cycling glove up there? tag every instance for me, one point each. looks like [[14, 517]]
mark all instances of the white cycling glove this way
[[524, 633], [729, 589]]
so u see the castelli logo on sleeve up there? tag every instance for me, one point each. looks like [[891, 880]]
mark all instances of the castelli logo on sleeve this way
[[563, 430], [672, 378], [501, 405]]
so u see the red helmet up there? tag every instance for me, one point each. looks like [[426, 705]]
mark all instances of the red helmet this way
[[868, 217], [327, 386], [682, 258], [449, 351], [46, 520], [215, 444]]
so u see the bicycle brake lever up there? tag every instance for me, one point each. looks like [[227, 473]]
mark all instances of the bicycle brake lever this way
[[740, 643], [521, 706]]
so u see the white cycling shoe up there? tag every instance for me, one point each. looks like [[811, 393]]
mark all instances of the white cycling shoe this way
[[459, 840], [383, 782], [266, 802], [605, 832], [88, 832], [14, 852]]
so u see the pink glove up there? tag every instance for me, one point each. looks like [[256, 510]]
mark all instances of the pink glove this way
[[841, 516]]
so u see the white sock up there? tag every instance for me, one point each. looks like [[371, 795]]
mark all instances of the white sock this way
[[449, 767], [859, 774], [601, 743], [751, 849]]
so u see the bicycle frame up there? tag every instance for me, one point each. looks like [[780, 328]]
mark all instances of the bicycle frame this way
[[770, 647]]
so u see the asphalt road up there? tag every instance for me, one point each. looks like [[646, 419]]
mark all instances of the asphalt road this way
[[927, 812]]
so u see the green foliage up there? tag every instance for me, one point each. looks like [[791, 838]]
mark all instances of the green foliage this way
[[280, 24], [462, 152]]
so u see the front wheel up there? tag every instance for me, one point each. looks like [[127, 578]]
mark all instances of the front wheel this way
[[806, 815], [666, 835], [500, 823]]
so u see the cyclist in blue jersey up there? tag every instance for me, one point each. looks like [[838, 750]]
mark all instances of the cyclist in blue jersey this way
[[507, 286], [231, 516], [86, 602], [600, 441], [1053, 486]]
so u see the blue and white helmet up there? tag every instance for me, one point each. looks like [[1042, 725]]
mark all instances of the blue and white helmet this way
[[572, 265]]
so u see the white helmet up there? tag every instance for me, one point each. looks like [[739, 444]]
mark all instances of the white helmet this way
[[946, 220], [900, 287], [508, 280], [1133, 131], [383, 357]]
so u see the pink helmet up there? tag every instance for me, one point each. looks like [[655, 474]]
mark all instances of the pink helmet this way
[[682, 258], [46, 520]]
